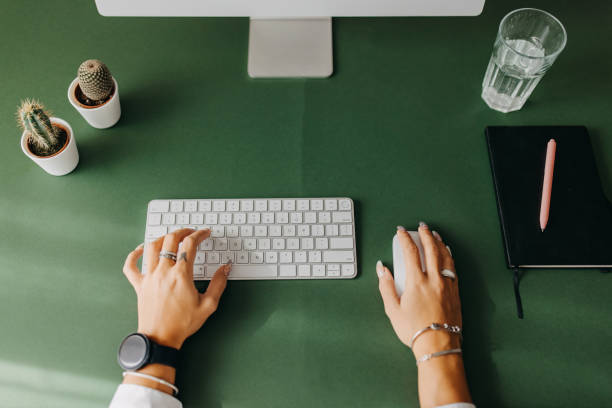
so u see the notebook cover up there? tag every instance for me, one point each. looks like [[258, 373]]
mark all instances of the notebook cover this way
[[579, 230]]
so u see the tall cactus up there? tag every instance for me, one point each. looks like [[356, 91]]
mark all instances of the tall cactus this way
[[42, 136], [95, 81]]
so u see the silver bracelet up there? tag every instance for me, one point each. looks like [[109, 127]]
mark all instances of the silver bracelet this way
[[437, 326], [150, 377], [438, 354]]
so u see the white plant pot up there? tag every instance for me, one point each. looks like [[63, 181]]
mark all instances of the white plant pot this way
[[60, 163], [100, 117]]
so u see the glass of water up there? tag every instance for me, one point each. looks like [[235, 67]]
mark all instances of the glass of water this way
[[527, 44]]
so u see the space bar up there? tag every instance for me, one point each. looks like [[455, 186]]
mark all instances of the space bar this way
[[252, 271]]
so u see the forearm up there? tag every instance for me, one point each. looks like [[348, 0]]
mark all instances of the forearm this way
[[160, 371], [441, 379]]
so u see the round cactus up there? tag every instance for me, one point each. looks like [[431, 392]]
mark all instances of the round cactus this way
[[43, 138], [95, 80]]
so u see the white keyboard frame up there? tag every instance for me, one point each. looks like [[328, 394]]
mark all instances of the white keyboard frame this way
[[278, 277]]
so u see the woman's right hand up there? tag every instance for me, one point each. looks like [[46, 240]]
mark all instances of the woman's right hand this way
[[429, 296]]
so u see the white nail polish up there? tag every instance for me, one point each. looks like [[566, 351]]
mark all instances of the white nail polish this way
[[379, 268], [449, 251], [436, 235]]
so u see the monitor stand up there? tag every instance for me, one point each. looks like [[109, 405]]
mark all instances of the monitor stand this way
[[290, 48]]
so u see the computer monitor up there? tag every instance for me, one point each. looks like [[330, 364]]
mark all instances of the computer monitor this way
[[289, 38]]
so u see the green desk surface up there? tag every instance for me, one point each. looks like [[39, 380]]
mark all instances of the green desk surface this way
[[398, 127]]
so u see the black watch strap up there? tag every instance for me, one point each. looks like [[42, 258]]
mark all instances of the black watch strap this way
[[163, 355]]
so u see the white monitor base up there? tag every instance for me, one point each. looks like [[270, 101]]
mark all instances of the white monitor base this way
[[290, 48]]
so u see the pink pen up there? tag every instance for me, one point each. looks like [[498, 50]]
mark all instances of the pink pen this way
[[549, 167]]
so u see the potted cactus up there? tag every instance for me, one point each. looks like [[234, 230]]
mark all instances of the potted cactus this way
[[48, 141], [94, 93]]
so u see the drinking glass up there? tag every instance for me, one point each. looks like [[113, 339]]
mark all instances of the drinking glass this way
[[527, 44]]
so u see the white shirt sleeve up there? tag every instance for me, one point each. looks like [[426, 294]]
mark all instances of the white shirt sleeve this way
[[458, 405], [138, 396]]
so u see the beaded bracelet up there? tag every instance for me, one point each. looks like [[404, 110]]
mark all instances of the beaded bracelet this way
[[436, 326]]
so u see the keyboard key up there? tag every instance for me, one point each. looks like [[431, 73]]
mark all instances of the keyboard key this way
[[324, 217], [282, 218], [347, 269], [207, 244], [344, 204], [182, 219], [249, 244], [235, 244], [293, 243], [341, 243], [161, 206], [217, 231], [227, 256], [261, 205], [198, 271], [318, 270], [303, 230], [314, 256], [231, 231], [233, 205], [218, 205], [310, 217], [240, 218], [288, 205], [221, 244], [299, 256], [172, 228], [242, 257], [154, 219], [204, 205], [253, 271], [339, 217], [275, 230], [303, 205], [257, 257], [176, 206], [199, 258], [191, 206], [168, 218], [331, 205], [261, 231], [307, 243], [285, 257], [303, 270], [246, 205], [246, 231], [274, 205], [287, 270], [225, 218], [271, 257], [211, 269], [263, 243], [253, 218], [289, 230], [321, 243], [197, 218], [338, 256], [210, 219], [155, 232], [346, 229], [267, 218], [278, 243], [331, 230], [212, 257], [316, 205], [317, 230], [333, 270]]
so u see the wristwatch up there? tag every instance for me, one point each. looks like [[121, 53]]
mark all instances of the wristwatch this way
[[137, 351]]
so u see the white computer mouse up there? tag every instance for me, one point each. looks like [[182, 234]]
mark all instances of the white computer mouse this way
[[399, 269]]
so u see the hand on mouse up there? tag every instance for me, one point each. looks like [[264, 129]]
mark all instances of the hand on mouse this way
[[428, 297]]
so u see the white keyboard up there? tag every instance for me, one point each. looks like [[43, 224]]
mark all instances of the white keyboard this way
[[265, 238]]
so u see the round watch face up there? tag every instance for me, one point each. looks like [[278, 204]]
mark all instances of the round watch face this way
[[133, 351]]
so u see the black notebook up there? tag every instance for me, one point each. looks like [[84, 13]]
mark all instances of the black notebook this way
[[579, 229]]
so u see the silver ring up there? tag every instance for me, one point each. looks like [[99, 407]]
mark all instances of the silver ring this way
[[168, 254], [447, 273]]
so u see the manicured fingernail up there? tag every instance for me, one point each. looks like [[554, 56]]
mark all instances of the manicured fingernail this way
[[436, 235], [228, 267], [379, 268], [140, 246], [422, 224], [449, 251], [401, 228]]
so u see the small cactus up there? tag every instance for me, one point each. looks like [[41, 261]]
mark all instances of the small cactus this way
[[42, 137], [95, 81]]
